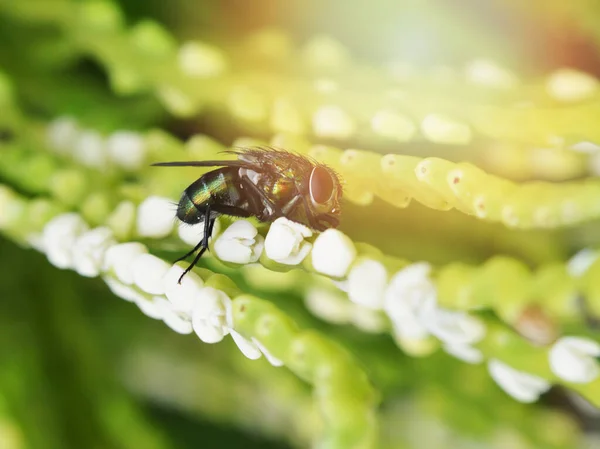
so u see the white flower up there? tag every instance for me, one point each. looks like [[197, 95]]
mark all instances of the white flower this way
[[182, 296], [454, 327], [212, 319], [441, 129], [367, 281], [248, 347], [89, 149], [151, 307], [522, 386], [342, 285], [285, 242], [239, 243], [392, 125], [488, 74], [328, 305], [156, 217], [149, 272], [333, 253], [571, 85], [119, 259], [367, 319], [409, 294], [62, 134], [575, 359], [581, 262], [333, 121], [123, 291], [193, 234], [178, 321], [89, 251], [155, 307], [211, 316], [464, 352], [59, 238], [126, 149]]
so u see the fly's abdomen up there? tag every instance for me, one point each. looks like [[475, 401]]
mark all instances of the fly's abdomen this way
[[188, 212], [216, 188]]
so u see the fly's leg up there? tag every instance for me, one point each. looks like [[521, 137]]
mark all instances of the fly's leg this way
[[203, 245], [275, 211], [188, 254]]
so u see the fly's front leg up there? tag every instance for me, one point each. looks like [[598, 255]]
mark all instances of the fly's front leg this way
[[291, 205]]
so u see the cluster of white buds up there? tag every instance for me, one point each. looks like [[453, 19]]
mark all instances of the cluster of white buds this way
[[124, 149], [135, 275], [409, 299]]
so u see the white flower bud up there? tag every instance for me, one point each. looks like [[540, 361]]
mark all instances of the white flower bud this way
[[62, 134], [333, 253], [211, 316], [441, 129], [239, 243], [575, 359], [151, 307], [522, 386], [155, 217], [409, 294], [89, 250], [126, 149], [454, 327], [89, 149], [328, 305], [333, 121], [182, 296], [488, 74], [570, 85], [285, 242], [176, 320], [119, 259], [123, 291], [149, 272], [367, 281], [248, 348], [59, 237], [390, 124], [466, 353]]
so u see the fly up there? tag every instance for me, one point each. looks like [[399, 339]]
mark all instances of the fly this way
[[264, 183]]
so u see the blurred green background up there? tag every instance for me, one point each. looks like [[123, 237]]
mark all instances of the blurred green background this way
[[83, 369]]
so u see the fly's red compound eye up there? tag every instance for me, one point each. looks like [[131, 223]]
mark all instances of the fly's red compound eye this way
[[321, 185]]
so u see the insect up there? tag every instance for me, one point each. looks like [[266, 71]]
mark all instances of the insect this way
[[265, 183]]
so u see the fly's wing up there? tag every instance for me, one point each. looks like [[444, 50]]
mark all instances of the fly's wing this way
[[246, 158], [274, 161], [258, 159], [238, 164]]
